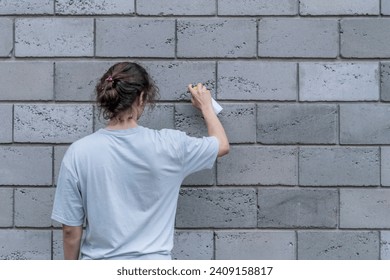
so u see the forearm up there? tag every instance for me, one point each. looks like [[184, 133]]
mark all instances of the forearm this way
[[72, 240]]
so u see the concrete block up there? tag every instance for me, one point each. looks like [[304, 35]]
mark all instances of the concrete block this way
[[364, 124], [385, 166], [385, 245], [193, 245], [205, 177], [189, 119], [172, 78], [37, 80], [297, 124], [385, 81], [26, 7], [23, 165], [6, 36], [245, 116], [339, 166], [6, 207], [338, 81], [52, 123], [76, 81], [57, 245], [33, 207], [337, 7], [256, 165], [161, 116], [139, 37], [95, 7], [99, 122], [61, 37], [6, 111], [297, 208], [257, 7], [254, 80], [25, 244], [216, 208], [372, 212], [297, 37], [255, 245], [385, 7], [59, 152], [176, 7], [365, 38], [338, 245], [216, 37]]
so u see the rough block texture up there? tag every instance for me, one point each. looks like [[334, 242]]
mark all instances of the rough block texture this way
[[253, 80], [37, 80], [25, 244], [258, 245], [26, 7], [338, 245], [385, 7], [365, 38], [42, 37], [339, 7], [76, 81], [173, 77], [138, 37], [201, 178], [385, 81], [304, 86], [385, 245], [257, 7], [161, 116], [95, 7], [385, 166], [254, 165], [21, 165], [52, 123], [245, 114], [296, 124], [338, 81], [6, 37], [341, 166], [59, 152], [297, 208], [6, 126], [372, 211], [216, 208], [190, 245], [57, 245], [176, 7], [6, 207], [364, 124], [216, 38], [33, 207], [298, 37]]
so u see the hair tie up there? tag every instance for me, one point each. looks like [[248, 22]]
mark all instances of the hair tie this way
[[109, 79]]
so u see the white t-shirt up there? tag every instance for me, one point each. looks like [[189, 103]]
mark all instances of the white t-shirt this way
[[126, 184]]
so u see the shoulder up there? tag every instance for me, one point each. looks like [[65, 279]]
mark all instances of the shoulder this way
[[81, 145]]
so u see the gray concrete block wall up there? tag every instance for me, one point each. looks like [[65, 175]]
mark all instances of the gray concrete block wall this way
[[305, 87]]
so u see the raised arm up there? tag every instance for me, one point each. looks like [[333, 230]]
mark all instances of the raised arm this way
[[201, 99], [72, 238]]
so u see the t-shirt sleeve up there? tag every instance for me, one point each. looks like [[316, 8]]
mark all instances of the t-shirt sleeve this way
[[68, 207], [199, 153]]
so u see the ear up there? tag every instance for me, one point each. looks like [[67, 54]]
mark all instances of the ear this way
[[141, 99]]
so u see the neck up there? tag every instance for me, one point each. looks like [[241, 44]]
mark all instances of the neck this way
[[121, 124]]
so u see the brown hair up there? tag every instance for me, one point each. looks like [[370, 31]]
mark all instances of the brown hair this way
[[119, 87]]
